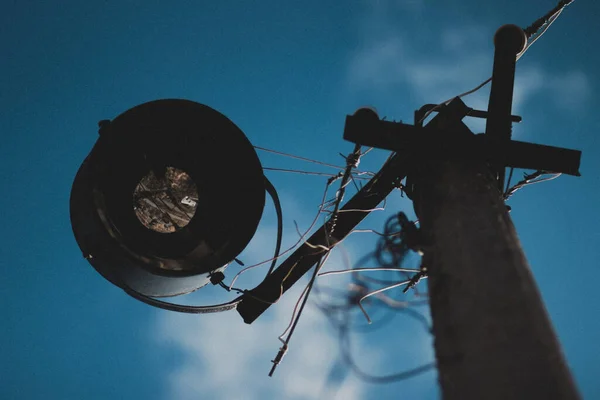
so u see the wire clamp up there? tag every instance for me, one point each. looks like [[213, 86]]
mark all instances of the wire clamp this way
[[415, 279], [282, 351]]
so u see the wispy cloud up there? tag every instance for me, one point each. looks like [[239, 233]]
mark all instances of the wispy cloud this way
[[387, 61], [572, 89], [223, 358], [226, 359]]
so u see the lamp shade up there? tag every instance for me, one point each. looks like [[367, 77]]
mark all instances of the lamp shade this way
[[171, 192]]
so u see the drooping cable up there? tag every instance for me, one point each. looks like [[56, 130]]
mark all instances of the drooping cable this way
[[298, 157], [275, 197], [352, 161], [314, 221], [292, 328], [538, 35], [468, 92], [297, 171], [347, 357], [545, 22], [530, 180], [180, 307], [512, 170]]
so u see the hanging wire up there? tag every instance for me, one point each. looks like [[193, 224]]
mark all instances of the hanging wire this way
[[314, 221], [352, 161], [348, 360], [538, 35], [535, 27], [297, 171], [304, 297], [343, 326], [530, 180], [395, 285], [397, 245], [543, 23], [182, 308], [355, 270], [299, 158], [509, 179], [277, 203], [374, 231], [367, 151]]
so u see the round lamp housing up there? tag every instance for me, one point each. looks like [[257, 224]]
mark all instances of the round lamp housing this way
[[171, 192]]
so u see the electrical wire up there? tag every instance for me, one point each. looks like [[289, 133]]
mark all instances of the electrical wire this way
[[468, 92], [540, 34], [314, 221], [298, 157], [348, 360], [275, 197], [509, 179], [535, 27], [303, 297], [351, 162], [395, 285], [180, 307], [297, 171], [353, 270], [548, 22], [366, 151], [360, 210], [375, 232], [292, 328], [530, 180]]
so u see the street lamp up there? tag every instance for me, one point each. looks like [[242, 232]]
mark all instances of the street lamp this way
[[171, 192]]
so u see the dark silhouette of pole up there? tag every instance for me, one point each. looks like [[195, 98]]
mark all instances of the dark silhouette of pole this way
[[493, 336]]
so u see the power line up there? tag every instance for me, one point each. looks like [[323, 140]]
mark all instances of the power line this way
[[351, 162], [299, 157], [545, 25]]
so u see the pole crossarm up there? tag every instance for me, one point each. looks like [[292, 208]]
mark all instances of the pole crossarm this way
[[429, 143]]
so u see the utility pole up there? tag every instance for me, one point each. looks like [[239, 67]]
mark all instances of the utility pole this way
[[493, 336]]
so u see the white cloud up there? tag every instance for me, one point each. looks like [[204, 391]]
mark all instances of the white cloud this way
[[223, 358], [572, 89], [226, 359], [387, 63]]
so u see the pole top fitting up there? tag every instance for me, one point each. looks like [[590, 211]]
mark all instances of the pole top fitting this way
[[511, 37]]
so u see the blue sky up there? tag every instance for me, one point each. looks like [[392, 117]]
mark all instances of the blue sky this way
[[286, 73]]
